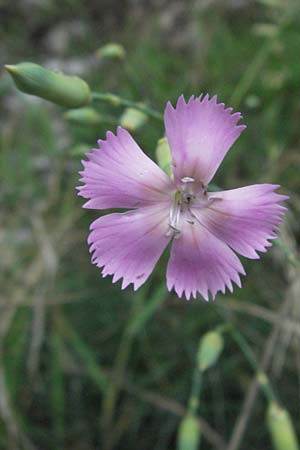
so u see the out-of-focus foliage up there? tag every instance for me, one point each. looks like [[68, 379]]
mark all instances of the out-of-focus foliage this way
[[84, 365]]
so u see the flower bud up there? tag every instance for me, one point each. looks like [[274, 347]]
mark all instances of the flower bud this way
[[64, 90], [281, 428], [80, 150], [84, 116], [163, 155], [210, 348], [132, 119], [266, 30], [111, 50], [189, 433]]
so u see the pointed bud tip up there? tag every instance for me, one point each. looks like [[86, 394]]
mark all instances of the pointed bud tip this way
[[11, 69], [133, 119], [83, 116], [111, 50], [163, 155], [189, 433], [210, 348], [281, 428]]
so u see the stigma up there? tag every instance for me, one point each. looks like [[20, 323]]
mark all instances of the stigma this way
[[188, 194]]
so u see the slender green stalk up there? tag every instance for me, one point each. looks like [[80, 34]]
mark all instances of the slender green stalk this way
[[262, 378], [250, 74], [116, 100], [57, 392], [256, 65], [139, 320], [139, 316], [84, 352], [194, 399], [287, 253]]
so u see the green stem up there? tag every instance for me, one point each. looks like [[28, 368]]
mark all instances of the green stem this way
[[288, 254], [194, 399], [116, 100], [57, 390], [262, 377], [86, 355], [257, 63], [140, 314], [138, 321], [250, 74]]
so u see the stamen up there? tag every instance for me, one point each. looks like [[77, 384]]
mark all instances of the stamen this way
[[174, 216], [191, 222], [190, 216], [186, 198], [187, 180]]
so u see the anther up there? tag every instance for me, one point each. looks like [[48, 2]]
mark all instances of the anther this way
[[187, 180]]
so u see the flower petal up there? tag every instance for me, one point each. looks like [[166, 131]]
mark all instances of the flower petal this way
[[244, 218], [200, 133], [128, 245], [200, 262], [120, 175]]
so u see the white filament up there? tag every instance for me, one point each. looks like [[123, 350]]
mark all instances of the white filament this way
[[174, 217]]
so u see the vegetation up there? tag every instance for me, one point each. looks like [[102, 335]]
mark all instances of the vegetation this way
[[83, 364]]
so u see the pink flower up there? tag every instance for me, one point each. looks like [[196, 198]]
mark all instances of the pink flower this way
[[205, 229]]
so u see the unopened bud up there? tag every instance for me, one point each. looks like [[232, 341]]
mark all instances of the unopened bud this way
[[84, 116], [163, 155], [132, 119], [210, 348], [80, 150], [64, 90], [266, 30], [189, 433], [281, 428], [111, 50]]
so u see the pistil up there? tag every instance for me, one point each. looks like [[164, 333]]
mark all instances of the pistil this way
[[190, 194]]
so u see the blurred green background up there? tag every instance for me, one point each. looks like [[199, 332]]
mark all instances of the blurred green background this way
[[84, 365]]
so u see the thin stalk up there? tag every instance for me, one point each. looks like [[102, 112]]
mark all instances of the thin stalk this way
[[103, 377], [250, 74], [56, 388], [116, 100], [262, 377], [194, 399], [85, 354], [257, 63], [287, 253], [249, 401], [140, 314]]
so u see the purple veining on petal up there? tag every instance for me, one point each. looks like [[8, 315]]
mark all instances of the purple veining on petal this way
[[128, 245], [200, 133], [120, 175], [205, 229], [245, 218], [200, 262]]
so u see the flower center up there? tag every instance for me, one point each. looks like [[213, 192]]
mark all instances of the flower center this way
[[189, 194]]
